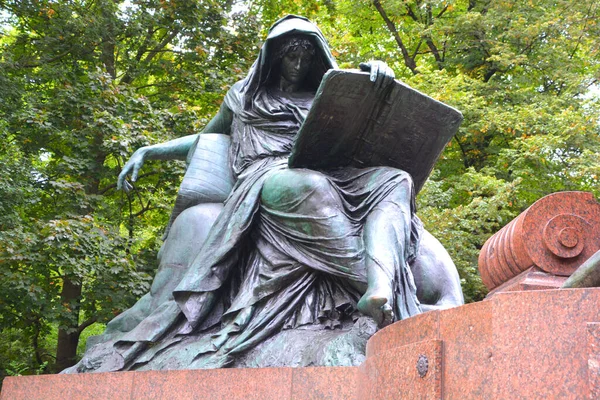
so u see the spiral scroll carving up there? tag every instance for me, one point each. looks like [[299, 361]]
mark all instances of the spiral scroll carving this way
[[556, 234]]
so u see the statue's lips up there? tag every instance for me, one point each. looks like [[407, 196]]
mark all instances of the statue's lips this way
[[296, 76]]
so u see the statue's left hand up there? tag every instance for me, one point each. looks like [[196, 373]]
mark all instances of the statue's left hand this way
[[381, 74]]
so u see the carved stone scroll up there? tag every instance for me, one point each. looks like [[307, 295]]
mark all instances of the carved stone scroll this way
[[556, 235]]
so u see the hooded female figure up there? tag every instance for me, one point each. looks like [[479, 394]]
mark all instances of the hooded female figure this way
[[291, 247]]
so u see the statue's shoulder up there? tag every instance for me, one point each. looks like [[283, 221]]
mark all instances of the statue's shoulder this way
[[238, 85], [236, 88], [233, 98]]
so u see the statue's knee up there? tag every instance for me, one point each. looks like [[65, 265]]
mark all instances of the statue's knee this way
[[403, 178], [292, 185]]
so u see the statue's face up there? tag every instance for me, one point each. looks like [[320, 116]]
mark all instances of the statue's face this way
[[295, 65]]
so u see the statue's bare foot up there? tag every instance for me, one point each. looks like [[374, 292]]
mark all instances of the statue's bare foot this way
[[377, 306]]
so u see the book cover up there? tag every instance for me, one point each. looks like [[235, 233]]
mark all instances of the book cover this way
[[352, 124]]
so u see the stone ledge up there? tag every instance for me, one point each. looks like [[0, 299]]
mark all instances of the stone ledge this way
[[234, 383], [533, 344]]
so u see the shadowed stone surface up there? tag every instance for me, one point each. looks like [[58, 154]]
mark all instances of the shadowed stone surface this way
[[531, 279]]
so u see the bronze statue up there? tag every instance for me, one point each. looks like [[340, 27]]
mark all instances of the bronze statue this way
[[289, 249]]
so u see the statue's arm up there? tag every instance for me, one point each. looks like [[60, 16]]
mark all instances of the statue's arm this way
[[176, 149]]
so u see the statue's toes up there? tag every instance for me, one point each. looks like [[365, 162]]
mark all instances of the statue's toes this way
[[387, 315]]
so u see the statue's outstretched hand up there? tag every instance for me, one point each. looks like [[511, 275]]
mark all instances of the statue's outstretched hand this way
[[132, 167], [381, 74]]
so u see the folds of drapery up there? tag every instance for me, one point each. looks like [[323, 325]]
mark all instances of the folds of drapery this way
[[266, 270], [289, 277]]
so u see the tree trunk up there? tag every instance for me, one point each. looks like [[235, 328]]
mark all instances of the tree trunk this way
[[108, 42], [68, 337]]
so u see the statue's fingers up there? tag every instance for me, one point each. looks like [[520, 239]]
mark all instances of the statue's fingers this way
[[365, 67], [374, 72], [121, 178], [389, 77], [127, 187], [136, 171], [391, 74], [381, 77]]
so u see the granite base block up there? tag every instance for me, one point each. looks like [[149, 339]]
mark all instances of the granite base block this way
[[531, 344]]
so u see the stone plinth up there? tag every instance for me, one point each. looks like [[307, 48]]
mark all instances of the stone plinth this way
[[531, 279], [534, 344], [235, 383]]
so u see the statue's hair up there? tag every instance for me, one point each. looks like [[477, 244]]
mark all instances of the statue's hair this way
[[292, 43]]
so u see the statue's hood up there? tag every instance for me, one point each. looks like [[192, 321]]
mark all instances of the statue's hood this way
[[293, 25], [288, 25]]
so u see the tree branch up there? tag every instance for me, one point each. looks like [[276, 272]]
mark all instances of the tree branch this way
[[463, 151], [435, 52], [150, 54], [144, 47], [429, 41], [49, 60], [411, 13], [408, 61], [166, 40], [85, 324], [582, 33], [417, 49], [442, 12], [144, 210], [128, 76]]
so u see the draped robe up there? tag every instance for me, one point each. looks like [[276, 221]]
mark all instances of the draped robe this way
[[280, 256]]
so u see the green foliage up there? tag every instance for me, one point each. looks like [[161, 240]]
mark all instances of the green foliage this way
[[462, 211], [521, 73], [84, 83]]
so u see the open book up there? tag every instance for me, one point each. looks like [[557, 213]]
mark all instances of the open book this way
[[351, 124]]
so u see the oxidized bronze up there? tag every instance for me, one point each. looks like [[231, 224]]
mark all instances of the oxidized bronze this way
[[266, 265]]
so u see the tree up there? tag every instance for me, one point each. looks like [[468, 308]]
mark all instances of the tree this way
[[90, 81]]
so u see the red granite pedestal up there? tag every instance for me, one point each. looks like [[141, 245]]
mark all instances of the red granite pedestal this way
[[534, 344]]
